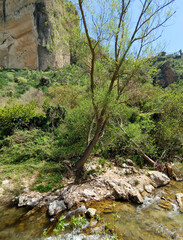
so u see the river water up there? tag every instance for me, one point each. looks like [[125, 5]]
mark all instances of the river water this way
[[153, 220], [158, 218]]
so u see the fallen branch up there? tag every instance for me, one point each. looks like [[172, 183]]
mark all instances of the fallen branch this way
[[147, 158]]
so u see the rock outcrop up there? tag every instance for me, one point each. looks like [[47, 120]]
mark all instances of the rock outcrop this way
[[166, 76], [112, 184], [26, 31]]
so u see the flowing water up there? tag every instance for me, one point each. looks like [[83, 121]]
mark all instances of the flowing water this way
[[20, 224], [153, 220]]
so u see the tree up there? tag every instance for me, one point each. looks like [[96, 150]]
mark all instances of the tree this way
[[123, 29]]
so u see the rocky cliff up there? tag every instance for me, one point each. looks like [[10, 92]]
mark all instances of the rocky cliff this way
[[26, 31], [166, 76]]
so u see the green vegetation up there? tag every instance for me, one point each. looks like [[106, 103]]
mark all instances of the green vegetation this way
[[79, 222], [43, 126], [48, 117]]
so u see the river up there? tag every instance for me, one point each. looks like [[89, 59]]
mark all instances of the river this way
[[158, 218]]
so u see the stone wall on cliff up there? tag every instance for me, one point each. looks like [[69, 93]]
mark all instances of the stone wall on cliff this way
[[26, 31]]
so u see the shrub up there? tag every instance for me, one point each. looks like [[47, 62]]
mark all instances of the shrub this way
[[21, 80], [26, 145], [72, 135], [16, 116]]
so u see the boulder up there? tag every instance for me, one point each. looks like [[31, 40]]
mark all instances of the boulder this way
[[160, 179], [166, 75], [30, 200], [88, 193], [91, 212], [78, 211], [129, 162], [56, 207], [125, 191], [179, 198]]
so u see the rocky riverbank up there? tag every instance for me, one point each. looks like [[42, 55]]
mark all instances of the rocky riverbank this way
[[126, 183], [98, 189], [100, 182]]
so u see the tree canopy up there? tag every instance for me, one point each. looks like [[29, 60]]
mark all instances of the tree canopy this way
[[118, 34]]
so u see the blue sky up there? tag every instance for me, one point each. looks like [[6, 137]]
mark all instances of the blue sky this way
[[172, 37]]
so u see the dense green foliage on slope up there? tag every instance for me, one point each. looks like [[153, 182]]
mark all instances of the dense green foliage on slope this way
[[47, 116]]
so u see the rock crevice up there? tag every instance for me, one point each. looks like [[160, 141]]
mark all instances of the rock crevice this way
[[4, 10]]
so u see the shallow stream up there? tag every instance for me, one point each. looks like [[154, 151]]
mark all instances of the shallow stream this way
[[158, 218]]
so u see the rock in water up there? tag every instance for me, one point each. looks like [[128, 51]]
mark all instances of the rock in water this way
[[91, 212], [56, 207], [160, 179], [179, 198]]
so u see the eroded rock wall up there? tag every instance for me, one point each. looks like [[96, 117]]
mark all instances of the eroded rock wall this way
[[25, 33]]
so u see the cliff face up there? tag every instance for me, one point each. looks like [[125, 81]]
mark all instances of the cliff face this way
[[166, 76], [26, 31]]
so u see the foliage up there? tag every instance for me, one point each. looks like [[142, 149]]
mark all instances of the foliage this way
[[16, 116], [60, 122], [77, 222], [72, 136], [112, 22], [21, 80], [66, 95], [26, 145], [152, 117], [61, 225], [50, 177]]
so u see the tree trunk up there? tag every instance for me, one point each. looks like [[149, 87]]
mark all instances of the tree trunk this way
[[80, 163]]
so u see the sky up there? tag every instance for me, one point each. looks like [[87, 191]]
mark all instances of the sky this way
[[171, 40], [172, 37]]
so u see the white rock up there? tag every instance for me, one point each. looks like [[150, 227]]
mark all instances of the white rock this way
[[129, 162], [179, 198], [88, 193], [135, 196], [22, 201], [91, 212], [56, 207], [125, 191], [160, 179], [5, 182], [32, 202], [149, 188]]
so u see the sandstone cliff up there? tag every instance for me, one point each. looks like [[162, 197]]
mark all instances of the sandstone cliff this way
[[26, 32]]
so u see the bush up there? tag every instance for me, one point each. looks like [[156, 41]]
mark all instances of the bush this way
[[72, 135], [16, 116], [26, 145], [21, 80]]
